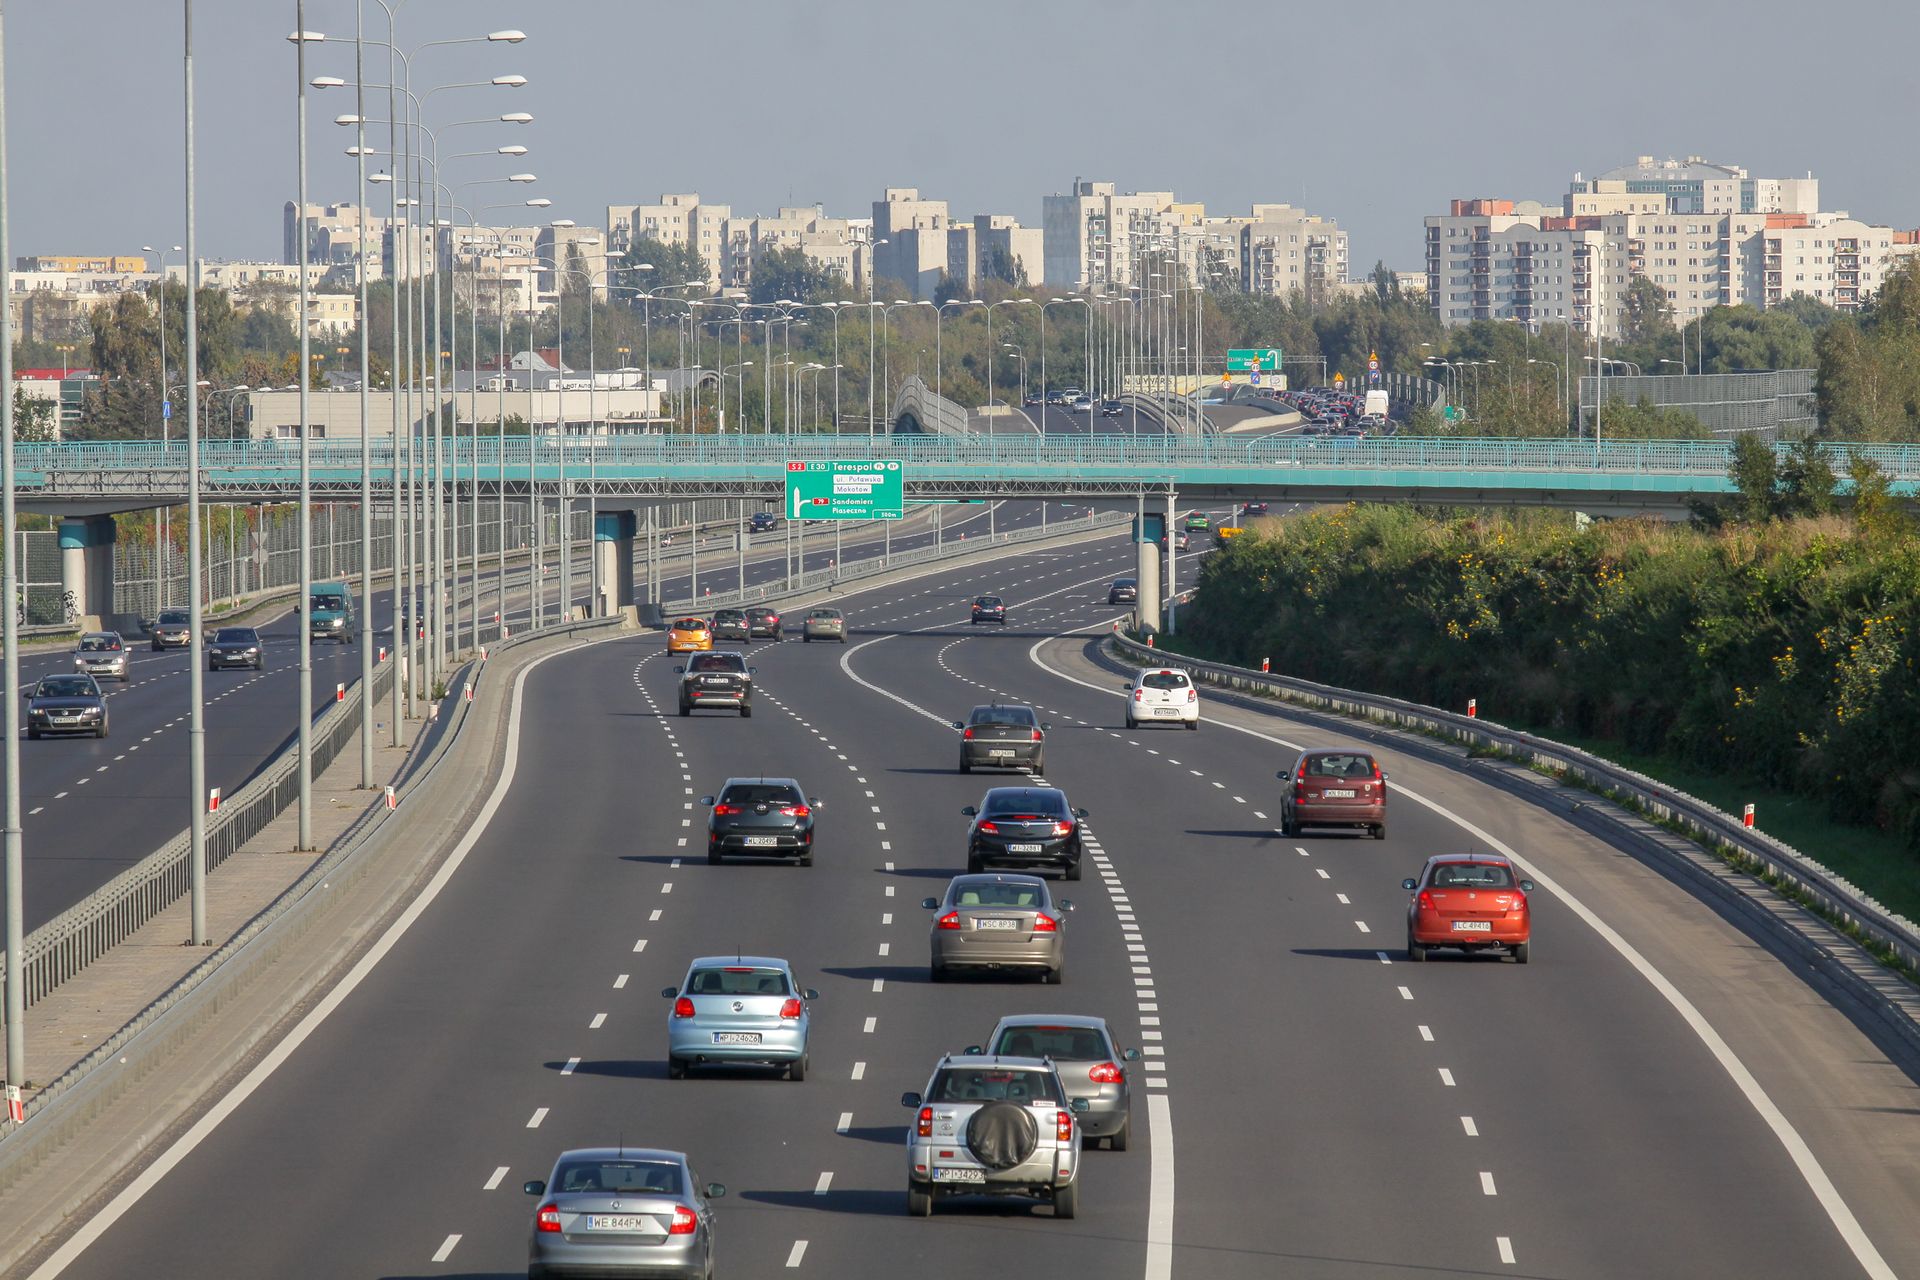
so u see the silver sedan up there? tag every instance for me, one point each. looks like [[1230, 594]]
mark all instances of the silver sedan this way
[[738, 1009], [998, 921], [102, 655], [1090, 1062], [824, 624], [622, 1211]]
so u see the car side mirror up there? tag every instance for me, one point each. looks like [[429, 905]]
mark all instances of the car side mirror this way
[[668, 993], [534, 1188], [1131, 1055], [1409, 884], [810, 994], [1526, 886], [1081, 1105], [750, 671], [679, 671], [815, 802], [1079, 813], [969, 812], [1046, 727], [974, 1050], [909, 1099], [707, 801], [715, 1190], [1281, 774], [1066, 904], [930, 904], [958, 725]]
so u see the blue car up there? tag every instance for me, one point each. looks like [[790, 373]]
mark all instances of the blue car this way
[[738, 1009]]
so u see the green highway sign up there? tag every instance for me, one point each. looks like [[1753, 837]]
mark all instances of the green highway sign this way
[[867, 490], [1253, 360]]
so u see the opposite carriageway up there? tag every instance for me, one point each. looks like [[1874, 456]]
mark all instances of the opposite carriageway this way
[[78, 479]]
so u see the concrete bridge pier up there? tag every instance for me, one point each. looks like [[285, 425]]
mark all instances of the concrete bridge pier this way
[[86, 564], [613, 534], [1146, 573]]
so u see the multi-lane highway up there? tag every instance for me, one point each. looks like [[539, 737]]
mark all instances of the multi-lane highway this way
[[1653, 1096]]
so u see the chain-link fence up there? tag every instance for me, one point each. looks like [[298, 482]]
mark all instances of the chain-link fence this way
[[1778, 404]]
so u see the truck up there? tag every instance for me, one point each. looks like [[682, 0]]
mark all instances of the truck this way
[[1376, 404], [330, 612]]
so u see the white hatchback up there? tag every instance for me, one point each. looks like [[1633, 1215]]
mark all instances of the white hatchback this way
[[1163, 695]]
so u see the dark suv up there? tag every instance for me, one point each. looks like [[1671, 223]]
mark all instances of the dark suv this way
[[989, 609], [716, 680], [761, 817]]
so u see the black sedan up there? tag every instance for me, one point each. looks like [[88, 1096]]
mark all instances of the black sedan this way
[[761, 818], [66, 704], [1031, 827], [761, 521], [762, 621], [989, 609], [1123, 591], [1254, 509], [235, 647]]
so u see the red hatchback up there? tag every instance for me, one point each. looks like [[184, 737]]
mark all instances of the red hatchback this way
[[1472, 901], [1334, 787]]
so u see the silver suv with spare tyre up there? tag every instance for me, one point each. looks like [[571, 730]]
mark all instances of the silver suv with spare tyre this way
[[994, 1126]]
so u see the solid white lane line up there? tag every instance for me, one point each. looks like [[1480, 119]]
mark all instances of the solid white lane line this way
[[1159, 1188], [539, 1114], [569, 1068], [445, 1250], [494, 1182], [1486, 1184], [1473, 1130]]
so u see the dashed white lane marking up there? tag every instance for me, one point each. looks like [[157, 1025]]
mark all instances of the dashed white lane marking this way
[[1343, 899], [1486, 1184], [37, 808], [641, 945], [1361, 925], [885, 947], [846, 1122], [1406, 993], [859, 1071], [1473, 1130], [1426, 1033], [879, 985], [651, 917], [494, 1182], [1322, 873], [799, 1252], [822, 1183], [620, 982], [1506, 1249], [445, 1250], [539, 1114], [1384, 957], [1446, 1077], [667, 887], [871, 1024], [568, 1069], [599, 1021]]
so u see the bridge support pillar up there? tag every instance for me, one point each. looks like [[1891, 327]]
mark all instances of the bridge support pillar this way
[[1173, 560], [1146, 539], [86, 564], [613, 533]]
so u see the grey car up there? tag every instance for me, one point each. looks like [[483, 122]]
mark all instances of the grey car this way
[[102, 655], [172, 630], [235, 647], [66, 704], [994, 1126], [622, 1211], [731, 624], [824, 624], [998, 921], [738, 1009], [1091, 1064], [1003, 736]]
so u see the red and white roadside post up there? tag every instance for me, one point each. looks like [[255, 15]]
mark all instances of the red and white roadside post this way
[[1473, 708], [393, 799], [213, 800], [1266, 664], [1746, 817], [16, 1109], [340, 693], [469, 691]]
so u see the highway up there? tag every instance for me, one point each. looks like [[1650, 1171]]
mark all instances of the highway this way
[[1654, 1095], [95, 807]]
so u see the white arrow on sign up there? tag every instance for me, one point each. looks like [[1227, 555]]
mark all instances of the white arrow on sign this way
[[799, 500]]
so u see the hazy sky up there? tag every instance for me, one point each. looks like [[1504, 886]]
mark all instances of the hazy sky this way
[[1372, 114]]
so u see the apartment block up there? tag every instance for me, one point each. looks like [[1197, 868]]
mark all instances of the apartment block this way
[[680, 220], [1286, 252], [827, 242], [915, 231], [571, 258], [333, 235], [1692, 186]]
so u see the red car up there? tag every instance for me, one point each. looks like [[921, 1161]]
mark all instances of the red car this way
[[1475, 902], [1334, 787]]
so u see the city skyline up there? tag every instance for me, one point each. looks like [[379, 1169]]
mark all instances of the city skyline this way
[[1096, 113]]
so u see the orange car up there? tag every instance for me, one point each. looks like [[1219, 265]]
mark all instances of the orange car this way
[[689, 635], [1472, 901]]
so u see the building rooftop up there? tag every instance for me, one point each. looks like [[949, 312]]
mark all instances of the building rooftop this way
[[1692, 169]]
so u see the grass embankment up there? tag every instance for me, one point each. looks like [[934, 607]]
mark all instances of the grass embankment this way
[[1776, 665]]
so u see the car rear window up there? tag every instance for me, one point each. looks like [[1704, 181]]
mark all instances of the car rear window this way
[[1340, 764], [1064, 1044], [825, 615], [988, 602], [67, 687], [1028, 896], [1124, 582], [762, 793], [690, 624], [1022, 716], [1041, 804], [738, 980], [631, 1176], [1163, 680], [716, 662], [1476, 875], [992, 1084], [729, 615]]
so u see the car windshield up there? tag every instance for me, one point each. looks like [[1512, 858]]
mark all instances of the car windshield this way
[[738, 980], [1351, 764], [98, 644], [1163, 680], [317, 601], [1030, 897], [1041, 804], [992, 1084], [1472, 875], [630, 1176], [67, 687], [1064, 1044], [716, 662], [762, 793], [173, 618], [235, 635], [1022, 716]]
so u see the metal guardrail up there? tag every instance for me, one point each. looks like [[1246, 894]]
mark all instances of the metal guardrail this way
[[1833, 895], [71, 467]]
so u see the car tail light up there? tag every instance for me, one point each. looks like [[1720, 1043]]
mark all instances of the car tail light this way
[[1063, 1126], [725, 810], [951, 920], [548, 1219], [1037, 737], [925, 1129], [791, 1009], [1376, 771], [683, 1008], [1426, 901], [1139, 695], [1193, 695], [795, 811], [967, 734], [1107, 1073], [1044, 924], [988, 828], [683, 1222], [1063, 828]]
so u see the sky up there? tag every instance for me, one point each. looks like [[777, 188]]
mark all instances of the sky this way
[[1373, 115]]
